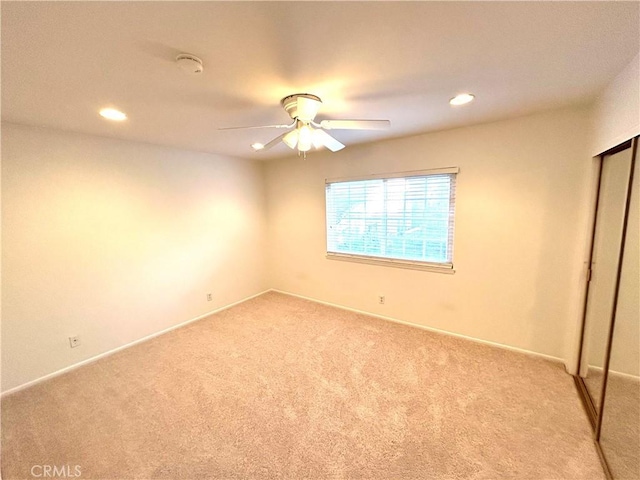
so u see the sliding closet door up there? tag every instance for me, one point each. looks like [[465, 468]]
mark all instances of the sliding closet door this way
[[620, 431], [612, 202]]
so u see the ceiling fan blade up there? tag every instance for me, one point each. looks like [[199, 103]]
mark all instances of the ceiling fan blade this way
[[355, 124], [273, 142], [320, 137], [259, 126]]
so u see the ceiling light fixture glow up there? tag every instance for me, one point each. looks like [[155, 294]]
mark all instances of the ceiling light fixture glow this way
[[304, 138], [462, 99], [257, 146], [113, 114]]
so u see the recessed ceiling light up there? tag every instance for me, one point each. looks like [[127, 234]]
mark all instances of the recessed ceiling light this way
[[257, 146], [113, 114], [462, 99]]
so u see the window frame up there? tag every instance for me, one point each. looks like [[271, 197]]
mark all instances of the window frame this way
[[444, 267]]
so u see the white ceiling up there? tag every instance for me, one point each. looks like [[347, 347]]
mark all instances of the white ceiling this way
[[62, 61]]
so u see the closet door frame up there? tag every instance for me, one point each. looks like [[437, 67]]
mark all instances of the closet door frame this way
[[595, 414], [585, 396]]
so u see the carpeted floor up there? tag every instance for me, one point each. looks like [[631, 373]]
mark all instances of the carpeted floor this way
[[620, 437], [279, 387]]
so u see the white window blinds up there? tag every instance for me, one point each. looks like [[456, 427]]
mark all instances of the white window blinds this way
[[398, 218]]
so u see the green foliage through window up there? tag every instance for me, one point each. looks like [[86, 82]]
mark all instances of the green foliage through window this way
[[405, 218]]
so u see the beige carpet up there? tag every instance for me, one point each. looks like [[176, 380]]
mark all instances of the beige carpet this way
[[279, 387], [620, 437]]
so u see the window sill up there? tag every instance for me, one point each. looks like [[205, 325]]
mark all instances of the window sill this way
[[387, 262]]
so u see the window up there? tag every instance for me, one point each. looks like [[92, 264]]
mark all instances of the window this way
[[404, 219]]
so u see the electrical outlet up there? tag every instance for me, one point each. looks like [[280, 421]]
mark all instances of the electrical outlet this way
[[74, 342], [381, 299], [209, 297]]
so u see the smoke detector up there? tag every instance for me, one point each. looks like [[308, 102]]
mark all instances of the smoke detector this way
[[189, 64]]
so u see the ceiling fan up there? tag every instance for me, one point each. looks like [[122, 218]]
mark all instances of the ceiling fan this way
[[304, 133]]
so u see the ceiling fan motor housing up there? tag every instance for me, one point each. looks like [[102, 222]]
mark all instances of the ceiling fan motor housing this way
[[301, 106]]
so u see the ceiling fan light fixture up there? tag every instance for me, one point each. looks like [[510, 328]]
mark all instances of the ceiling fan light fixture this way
[[305, 137], [291, 139], [304, 133], [462, 99]]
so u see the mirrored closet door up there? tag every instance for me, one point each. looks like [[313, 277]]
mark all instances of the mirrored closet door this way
[[605, 259], [620, 429], [609, 373]]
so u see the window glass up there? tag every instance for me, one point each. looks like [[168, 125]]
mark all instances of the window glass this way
[[403, 218]]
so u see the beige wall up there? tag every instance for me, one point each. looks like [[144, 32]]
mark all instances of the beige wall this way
[[113, 241], [522, 209], [617, 110]]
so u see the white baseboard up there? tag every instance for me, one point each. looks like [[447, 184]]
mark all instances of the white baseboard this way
[[626, 376], [342, 307], [615, 373], [122, 347], [430, 329]]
